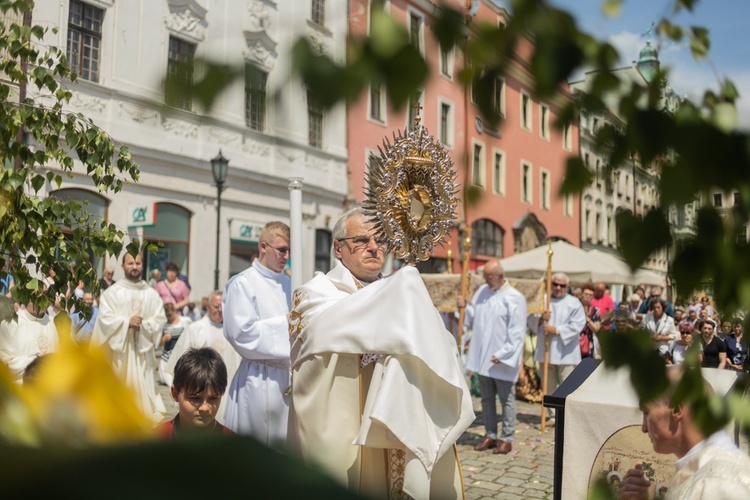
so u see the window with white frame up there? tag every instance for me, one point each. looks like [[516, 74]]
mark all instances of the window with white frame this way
[[314, 121], [255, 97], [568, 137], [544, 121], [318, 14], [477, 165], [498, 173], [598, 171], [525, 111], [446, 61], [545, 188], [587, 224], [526, 179], [84, 40], [180, 65], [445, 127], [416, 24], [377, 103], [568, 205], [498, 97]]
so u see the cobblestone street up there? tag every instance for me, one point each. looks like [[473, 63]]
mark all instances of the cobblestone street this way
[[526, 472]]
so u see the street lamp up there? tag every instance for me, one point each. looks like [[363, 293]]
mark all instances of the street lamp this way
[[219, 168]]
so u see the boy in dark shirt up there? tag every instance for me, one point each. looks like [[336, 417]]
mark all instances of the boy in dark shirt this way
[[200, 379]]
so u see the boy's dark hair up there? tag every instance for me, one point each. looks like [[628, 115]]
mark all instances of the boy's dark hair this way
[[30, 373], [199, 369]]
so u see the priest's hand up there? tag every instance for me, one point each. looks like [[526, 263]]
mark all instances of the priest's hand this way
[[460, 302], [494, 359], [550, 330], [635, 484], [545, 316], [135, 322]]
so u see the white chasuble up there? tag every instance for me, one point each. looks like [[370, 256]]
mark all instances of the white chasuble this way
[[389, 427], [206, 333], [131, 350], [24, 340], [256, 304]]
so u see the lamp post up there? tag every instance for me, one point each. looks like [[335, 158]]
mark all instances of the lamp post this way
[[219, 168], [295, 222]]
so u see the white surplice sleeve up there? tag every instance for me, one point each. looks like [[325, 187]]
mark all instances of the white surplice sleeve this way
[[253, 337]]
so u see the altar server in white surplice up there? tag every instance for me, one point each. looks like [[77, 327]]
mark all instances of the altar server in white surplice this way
[[563, 326], [208, 332], [378, 393], [22, 341], [129, 325], [707, 466], [256, 304], [497, 318]]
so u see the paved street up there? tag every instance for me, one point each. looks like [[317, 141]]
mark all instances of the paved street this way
[[524, 473]]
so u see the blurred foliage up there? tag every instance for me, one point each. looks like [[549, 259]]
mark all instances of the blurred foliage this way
[[74, 399], [43, 234]]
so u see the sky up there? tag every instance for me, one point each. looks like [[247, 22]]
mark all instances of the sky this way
[[728, 22]]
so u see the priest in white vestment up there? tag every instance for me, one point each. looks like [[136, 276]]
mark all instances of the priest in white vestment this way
[[25, 339], [256, 305], [378, 393], [707, 467], [129, 325], [208, 332]]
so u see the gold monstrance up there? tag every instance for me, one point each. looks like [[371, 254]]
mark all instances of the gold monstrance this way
[[411, 193]]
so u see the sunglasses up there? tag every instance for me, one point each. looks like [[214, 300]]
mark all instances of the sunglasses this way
[[559, 285]]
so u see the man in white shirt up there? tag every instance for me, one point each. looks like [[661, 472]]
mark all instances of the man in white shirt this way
[[563, 326], [497, 318], [256, 305], [707, 466]]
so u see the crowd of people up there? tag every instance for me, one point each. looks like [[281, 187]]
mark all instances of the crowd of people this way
[[316, 372], [674, 329]]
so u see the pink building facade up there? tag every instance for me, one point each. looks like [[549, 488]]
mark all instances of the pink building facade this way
[[515, 169]]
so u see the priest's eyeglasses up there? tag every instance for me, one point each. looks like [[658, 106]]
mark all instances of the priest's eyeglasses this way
[[361, 241]]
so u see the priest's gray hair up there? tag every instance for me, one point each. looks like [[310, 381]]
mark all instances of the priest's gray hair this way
[[339, 229], [216, 293], [561, 276]]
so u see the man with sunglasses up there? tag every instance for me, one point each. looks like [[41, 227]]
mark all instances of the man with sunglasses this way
[[255, 306], [378, 393], [563, 325]]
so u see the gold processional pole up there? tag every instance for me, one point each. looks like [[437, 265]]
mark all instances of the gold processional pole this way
[[464, 284], [545, 366]]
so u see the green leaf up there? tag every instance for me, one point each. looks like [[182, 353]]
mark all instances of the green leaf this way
[[640, 238], [577, 176], [612, 8]]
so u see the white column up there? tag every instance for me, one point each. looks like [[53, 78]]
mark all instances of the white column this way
[[295, 227]]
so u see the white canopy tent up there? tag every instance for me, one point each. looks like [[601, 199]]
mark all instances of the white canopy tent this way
[[621, 270], [580, 265]]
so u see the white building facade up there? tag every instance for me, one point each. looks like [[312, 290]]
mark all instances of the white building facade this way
[[633, 186], [264, 123]]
